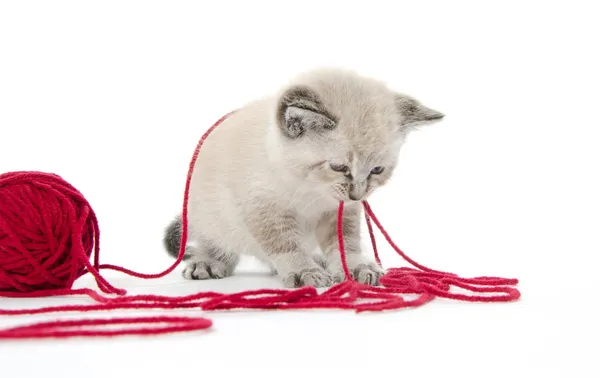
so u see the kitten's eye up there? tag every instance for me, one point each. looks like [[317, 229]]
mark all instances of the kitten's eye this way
[[377, 170], [339, 167]]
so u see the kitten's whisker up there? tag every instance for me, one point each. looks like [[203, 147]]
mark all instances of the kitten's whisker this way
[[321, 195], [291, 201]]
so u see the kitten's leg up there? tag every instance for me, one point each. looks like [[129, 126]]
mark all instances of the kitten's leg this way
[[283, 241], [363, 269], [204, 261], [321, 261], [208, 261]]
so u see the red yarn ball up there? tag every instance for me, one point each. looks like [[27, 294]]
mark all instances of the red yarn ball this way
[[48, 232]]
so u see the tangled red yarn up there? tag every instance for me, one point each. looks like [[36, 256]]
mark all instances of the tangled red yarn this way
[[46, 231], [49, 237]]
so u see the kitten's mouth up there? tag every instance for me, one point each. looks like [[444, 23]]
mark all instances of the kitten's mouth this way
[[347, 197]]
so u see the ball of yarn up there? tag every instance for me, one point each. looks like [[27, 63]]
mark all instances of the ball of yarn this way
[[48, 232]]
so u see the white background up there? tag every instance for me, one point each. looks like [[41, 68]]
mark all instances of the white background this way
[[113, 96]]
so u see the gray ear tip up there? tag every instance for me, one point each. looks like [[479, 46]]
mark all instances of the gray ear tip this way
[[435, 115]]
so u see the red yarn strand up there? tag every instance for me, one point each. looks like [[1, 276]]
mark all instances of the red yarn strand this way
[[372, 216], [63, 328], [372, 237], [184, 235], [340, 236], [37, 203]]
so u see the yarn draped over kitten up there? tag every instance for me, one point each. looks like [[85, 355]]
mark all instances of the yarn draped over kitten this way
[[49, 237]]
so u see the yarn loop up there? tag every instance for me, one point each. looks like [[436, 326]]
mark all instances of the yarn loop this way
[[49, 237]]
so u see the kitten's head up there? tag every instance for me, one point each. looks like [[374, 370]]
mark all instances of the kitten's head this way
[[343, 132]]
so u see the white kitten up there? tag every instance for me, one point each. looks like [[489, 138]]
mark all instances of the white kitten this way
[[269, 179]]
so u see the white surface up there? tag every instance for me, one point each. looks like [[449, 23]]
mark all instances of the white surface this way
[[113, 97]]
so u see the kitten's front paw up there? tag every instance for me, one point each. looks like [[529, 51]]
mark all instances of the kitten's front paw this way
[[363, 273], [368, 274], [308, 277], [204, 270]]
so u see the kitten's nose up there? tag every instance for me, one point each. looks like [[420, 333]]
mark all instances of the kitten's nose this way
[[354, 197], [356, 192]]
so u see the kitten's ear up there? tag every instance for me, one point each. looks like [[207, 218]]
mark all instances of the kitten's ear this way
[[300, 111], [414, 113]]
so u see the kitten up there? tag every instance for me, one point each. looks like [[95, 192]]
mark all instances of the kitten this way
[[269, 179]]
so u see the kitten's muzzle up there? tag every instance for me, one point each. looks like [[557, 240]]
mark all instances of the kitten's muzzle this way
[[356, 192]]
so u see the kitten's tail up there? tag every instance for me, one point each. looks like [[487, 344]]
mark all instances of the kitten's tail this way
[[172, 237]]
